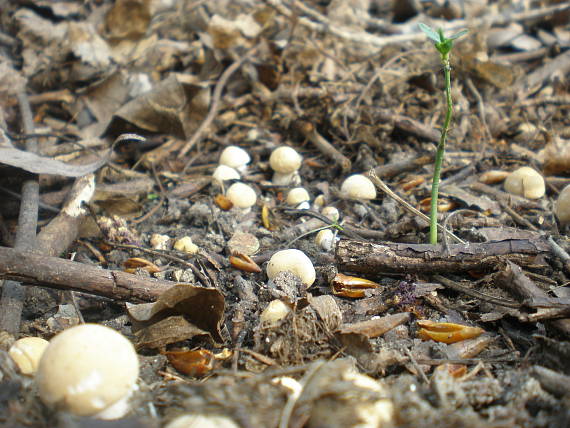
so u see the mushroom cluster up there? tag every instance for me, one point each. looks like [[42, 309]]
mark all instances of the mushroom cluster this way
[[232, 162]]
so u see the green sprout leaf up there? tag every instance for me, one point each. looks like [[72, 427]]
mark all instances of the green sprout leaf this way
[[430, 32], [458, 35]]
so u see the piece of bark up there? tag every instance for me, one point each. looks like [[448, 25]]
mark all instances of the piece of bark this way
[[365, 257], [513, 279], [53, 272]]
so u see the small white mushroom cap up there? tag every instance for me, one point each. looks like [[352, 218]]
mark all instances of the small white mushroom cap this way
[[224, 172], [335, 410], [294, 261], [358, 187], [562, 206], [159, 242], [526, 182], [234, 157], [27, 352], [241, 195], [331, 213], [201, 421], [297, 195], [274, 312], [88, 370], [186, 245], [325, 239], [285, 160]]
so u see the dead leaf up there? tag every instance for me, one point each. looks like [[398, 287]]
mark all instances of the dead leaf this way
[[195, 363], [173, 107], [180, 313], [40, 165]]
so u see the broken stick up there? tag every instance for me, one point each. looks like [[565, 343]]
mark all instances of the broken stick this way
[[53, 272], [372, 258]]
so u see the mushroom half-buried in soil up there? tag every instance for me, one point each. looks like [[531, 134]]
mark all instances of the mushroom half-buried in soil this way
[[294, 261], [27, 352], [88, 370], [562, 206], [526, 182]]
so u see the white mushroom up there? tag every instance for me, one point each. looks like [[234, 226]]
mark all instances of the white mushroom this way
[[562, 206], [201, 421], [274, 312], [159, 242], [88, 370], [294, 261], [223, 173], [241, 195], [284, 161], [333, 409], [358, 187], [297, 196], [186, 245], [325, 239], [234, 157], [27, 352], [331, 213], [526, 182]]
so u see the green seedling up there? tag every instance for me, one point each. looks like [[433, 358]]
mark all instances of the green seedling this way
[[443, 45]]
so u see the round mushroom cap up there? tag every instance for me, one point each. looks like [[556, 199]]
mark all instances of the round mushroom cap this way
[[241, 195], [87, 369], [294, 261], [325, 239], [358, 187], [27, 352], [234, 157], [562, 206], [201, 421], [224, 172], [275, 311], [285, 160], [297, 195], [525, 182]]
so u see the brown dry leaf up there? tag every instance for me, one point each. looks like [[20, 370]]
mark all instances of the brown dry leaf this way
[[41, 165], [172, 329], [482, 203], [134, 263], [127, 19], [375, 327], [175, 107], [195, 363], [121, 206], [180, 313]]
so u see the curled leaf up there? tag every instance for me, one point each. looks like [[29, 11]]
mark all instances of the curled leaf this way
[[446, 332], [244, 262], [351, 286]]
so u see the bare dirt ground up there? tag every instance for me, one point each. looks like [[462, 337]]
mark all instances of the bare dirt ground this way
[[114, 116]]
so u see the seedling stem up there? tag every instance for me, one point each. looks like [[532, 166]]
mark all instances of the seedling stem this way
[[443, 46]]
